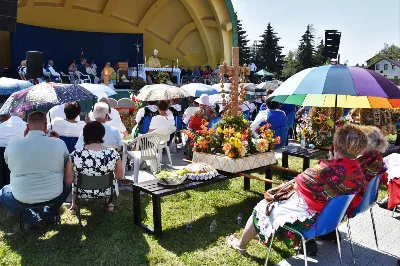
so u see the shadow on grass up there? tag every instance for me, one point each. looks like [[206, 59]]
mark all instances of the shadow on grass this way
[[96, 242]]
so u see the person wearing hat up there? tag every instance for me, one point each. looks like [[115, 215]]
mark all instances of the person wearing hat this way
[[205, 112], [153, 61]]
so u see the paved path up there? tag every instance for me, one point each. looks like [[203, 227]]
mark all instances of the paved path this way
[[388, 231]]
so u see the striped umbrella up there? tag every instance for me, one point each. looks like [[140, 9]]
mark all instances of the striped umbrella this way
[[338, 86]]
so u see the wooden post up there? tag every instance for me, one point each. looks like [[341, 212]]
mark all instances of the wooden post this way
[[234, 71]]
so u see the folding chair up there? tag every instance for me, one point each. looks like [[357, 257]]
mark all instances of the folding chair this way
[[94, 183], [327, 221]]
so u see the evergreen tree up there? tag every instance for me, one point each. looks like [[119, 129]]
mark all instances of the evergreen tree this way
[[291, 65], [244, 49], [270, 52], [306, 49], [319, 58]]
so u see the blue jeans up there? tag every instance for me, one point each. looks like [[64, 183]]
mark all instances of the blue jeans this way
[[30, 216]]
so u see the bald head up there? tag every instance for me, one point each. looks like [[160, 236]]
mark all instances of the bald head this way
[[103, 100]]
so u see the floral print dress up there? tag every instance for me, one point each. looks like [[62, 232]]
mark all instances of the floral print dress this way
[[94, 163]]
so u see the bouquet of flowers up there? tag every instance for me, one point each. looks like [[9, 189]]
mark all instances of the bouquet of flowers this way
[[317, 130], [344, 120], [266, 140]]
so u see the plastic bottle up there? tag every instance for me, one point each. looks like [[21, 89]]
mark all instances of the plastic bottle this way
[[213, 226], [303, 141], [239, 219]]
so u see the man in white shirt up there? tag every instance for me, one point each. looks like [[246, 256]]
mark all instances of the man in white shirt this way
[[13, 128], [253, 68], [57, 111], [68, 127], [115, 121], [112, 138], [37, 165]]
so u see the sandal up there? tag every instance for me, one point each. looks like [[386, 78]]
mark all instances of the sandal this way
[[73, 210], [110, 207], [233, 242]]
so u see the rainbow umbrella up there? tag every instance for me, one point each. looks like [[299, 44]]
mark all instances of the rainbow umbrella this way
[[338, 86]]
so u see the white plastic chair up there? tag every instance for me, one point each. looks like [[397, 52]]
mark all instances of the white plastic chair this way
[[125, 102], [83, 77], [163, 145], [144, 148], [112, 102]]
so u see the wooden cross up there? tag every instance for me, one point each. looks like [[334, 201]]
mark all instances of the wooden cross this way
[[237, 74]]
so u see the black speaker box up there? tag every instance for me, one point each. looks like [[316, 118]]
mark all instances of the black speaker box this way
[[8, 14], [34, 64]]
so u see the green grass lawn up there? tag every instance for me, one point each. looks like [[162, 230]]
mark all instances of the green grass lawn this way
[[120, 242]]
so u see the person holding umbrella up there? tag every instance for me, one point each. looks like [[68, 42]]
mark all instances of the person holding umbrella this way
[[204, 113]]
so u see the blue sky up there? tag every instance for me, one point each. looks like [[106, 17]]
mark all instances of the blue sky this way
[[365, 24]]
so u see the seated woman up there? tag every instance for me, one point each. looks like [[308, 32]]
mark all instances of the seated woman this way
[[204, 113], [163, 123], [70, 126], [272, 115], [93, 159], [175, 109], [341, 176]]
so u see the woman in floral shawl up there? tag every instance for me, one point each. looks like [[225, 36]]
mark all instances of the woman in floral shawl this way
[[204, 113], [313, 189]]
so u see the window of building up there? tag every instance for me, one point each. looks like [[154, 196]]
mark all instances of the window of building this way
[[396, 77], [377, 67], [385, 66], [393, 67], [385, 76]]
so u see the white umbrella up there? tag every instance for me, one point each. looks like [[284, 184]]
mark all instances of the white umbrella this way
[[98, 89], [219, 89], [160, 92], [197, 89], [269, 85], [217, 98]]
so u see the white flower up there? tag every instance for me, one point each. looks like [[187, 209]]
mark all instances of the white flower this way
[[85, 153], [89, 162], [103, 168]]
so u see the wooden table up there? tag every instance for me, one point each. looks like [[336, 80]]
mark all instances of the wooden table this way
[[157, 191], [306, 154]]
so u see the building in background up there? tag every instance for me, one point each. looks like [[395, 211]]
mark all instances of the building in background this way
[[389, 68]]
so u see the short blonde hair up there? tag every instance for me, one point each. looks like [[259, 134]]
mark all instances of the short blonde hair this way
[[350, 141], [376, 140]]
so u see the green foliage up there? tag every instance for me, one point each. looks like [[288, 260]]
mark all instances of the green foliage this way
[[319, 58], [291, 65], [306, 49], [244, 49], [270, 53], [388, 51], [137, 84], [160, 77]]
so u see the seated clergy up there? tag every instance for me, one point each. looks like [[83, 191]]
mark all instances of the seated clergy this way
[[53, 74], [37, 165], [112, 138]]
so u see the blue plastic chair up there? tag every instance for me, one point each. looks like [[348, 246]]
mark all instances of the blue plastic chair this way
[[145, 124], [327, 221], [371, 195], [214, 121], [178, 122], [283, 133], [291, 119], [70, 142]]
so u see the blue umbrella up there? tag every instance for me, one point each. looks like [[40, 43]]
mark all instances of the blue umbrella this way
[[44, 95], [9, 86], [197, 89]]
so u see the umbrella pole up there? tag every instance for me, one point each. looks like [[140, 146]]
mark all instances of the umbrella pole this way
[[334, 124]]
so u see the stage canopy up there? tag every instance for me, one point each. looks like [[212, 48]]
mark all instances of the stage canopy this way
[[198, 32]]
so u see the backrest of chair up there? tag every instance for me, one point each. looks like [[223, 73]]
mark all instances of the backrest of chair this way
[[214, 121], [283, 133], [70, 142], [178, 122], [95, 182], [145, 124], [125, 102], [291, 119], [112, 102], [370, 196], [330, 217], [147, 145]]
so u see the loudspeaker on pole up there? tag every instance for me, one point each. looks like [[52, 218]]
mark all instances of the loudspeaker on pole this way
[[34, 64]]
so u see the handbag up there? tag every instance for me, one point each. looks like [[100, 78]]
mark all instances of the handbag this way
[[278, 194]]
